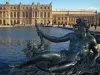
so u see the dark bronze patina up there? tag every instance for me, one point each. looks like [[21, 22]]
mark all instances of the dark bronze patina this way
[[81, 45]]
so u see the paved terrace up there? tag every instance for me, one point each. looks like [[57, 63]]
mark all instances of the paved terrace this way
[[91, 28], [67, 26]]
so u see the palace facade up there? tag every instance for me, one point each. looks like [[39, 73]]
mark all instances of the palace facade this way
[[25, 14], [11, 14], [69, 17]]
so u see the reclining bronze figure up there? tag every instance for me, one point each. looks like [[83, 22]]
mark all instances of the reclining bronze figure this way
[[82, 43]]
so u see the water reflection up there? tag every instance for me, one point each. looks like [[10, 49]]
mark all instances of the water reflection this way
[[13, 40]]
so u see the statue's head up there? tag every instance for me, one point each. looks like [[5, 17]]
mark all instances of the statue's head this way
[[82, 25], [81, 22]]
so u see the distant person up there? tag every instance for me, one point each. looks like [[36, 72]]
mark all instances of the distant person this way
[[63, 25], [95, 26]]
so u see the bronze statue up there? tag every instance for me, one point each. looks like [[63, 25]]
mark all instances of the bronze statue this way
[[81, 45]]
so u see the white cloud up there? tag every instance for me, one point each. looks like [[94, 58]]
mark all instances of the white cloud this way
[[93, 8]]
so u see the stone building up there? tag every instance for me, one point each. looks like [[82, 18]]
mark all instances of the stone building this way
[[98, 19], [69, 17], [23, 14]]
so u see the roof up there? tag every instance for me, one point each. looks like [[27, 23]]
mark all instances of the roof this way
[[93, 10]]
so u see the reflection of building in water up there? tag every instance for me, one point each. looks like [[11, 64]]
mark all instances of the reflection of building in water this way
[[43, 13]]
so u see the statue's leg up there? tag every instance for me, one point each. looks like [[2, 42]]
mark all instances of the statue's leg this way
[[44, 57], [62, 68]]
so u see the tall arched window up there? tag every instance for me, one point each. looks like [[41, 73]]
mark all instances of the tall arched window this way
[[17, 14], [44, 14], [18, 22], [11, 14], [48, 14], [35, 14], [14, 14], [23, 14], [35, 21], [14, 21], [41, 14], [0, 22], [11, 22], [4, 22], [58, 18], [26, 14]]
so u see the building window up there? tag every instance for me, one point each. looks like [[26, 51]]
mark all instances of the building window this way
[[54, 18], [44, 14], [49, 14], [58, 23], [30, 14], [4, 22], [35, 21], [62, 22], [4, 8], [62, 18], [14, 7], [14, 21], [18, 22], [35, 14], [65, 18], [41, 14], [36, 8], [11, 21], [0, 8], [44, 21], [41, 7], [23, 14], [14, 14], [44, 7], [26, 14], [4, 14], [58, 18], [0, 22], [0, 13], [11, 14], [17, 14]]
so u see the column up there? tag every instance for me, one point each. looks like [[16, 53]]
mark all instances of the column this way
[[39, 14], [95, 19], [50, 14], [47, 15], [2, 14], [43, 15], [34, 14], [39, 18], [16, 15], [1, 21], [12, 14]]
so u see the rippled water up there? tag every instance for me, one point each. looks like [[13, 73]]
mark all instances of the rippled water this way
[[11, 53]]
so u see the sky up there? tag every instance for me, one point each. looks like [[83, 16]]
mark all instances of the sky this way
[[62, 4]]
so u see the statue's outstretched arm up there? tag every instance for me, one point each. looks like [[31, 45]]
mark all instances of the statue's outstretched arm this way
[[53, 38], [57, 39]]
